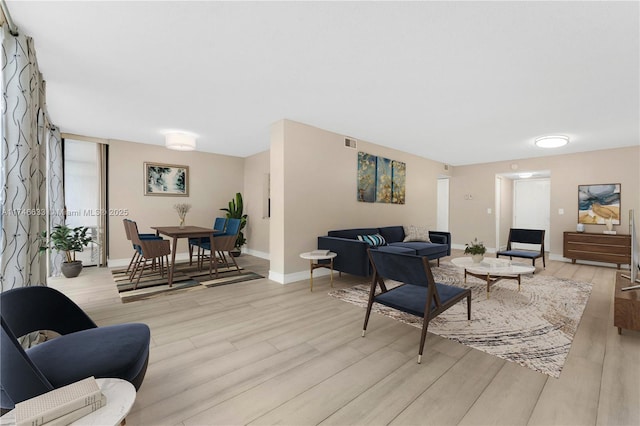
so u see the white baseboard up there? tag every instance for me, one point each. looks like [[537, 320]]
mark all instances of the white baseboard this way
[[256, 253], [297, 276]]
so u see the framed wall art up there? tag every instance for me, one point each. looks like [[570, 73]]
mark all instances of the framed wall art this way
[[166, 179], [599, 203], [380, 179]]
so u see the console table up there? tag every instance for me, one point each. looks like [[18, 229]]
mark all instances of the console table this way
[[626, 305], [597, 247]]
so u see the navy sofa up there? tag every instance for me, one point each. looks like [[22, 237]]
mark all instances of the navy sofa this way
[[352, 253]]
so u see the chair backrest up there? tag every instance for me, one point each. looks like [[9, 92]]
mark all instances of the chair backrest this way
[[219, 223], [406, 268], [125, 222], [233, 226], [20, 379], [526, 236]]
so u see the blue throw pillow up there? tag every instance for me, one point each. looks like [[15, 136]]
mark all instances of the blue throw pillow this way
[[373, 240]]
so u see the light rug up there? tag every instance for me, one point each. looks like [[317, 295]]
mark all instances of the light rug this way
[[185, 277], [533, 327]]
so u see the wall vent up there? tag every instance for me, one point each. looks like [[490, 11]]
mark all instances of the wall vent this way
[[446, 167], [350, 143]]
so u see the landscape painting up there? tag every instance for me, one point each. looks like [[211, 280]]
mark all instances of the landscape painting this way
[[166, 179]]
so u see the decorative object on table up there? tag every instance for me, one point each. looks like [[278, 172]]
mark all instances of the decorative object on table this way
[[234, 211], [599, 203], [533, 327], [609, 224], [166, 179], [69, 241], [580, 227], [182, 209], [380, 179], [476, 250]]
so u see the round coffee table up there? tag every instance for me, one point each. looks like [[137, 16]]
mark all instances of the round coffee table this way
[[313, 264], [492, 270]]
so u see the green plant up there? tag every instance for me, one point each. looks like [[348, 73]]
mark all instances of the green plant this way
[[235, 211], [68, 240], [475, 247]]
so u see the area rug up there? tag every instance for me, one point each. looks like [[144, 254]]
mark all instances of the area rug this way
[[533, 327], [186, 277]]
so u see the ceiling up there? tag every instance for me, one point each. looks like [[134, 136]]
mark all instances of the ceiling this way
[[456, 82]]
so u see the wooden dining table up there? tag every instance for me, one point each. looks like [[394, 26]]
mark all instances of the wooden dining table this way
[[176, 232]]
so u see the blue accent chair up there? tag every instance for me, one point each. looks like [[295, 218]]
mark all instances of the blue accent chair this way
[[82, 349], [419, 294], [156, 251], [525, 236]]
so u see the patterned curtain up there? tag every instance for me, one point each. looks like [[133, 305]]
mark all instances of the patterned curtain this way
[[22, 163], [55, 193]]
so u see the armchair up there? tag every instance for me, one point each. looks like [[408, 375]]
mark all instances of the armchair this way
[[82, 349]]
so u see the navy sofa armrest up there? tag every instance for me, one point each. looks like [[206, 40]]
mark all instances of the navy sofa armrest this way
[[441, 237], [352, 254]]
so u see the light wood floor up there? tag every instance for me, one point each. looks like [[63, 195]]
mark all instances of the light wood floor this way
[[263, 353]]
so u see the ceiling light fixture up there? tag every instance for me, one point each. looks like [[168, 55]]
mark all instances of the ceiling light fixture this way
[[180, 141], [551, 141]]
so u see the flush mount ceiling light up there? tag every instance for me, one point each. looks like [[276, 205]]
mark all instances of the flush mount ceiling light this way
[[551, 141], [180, 141]]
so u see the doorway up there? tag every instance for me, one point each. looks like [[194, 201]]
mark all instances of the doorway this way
[[85, 195], [532, 205]]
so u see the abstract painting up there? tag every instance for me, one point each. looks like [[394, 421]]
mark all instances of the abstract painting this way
[[380, 179], [599, 203], [166, 179]]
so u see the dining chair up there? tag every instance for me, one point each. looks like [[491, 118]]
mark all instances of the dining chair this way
[[225, 242], [150, 250], [136, 250], [418, 294], [218, 225]]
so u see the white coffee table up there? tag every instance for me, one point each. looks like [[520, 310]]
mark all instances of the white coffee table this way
[[313, 264], [120, 398], [492, 269]]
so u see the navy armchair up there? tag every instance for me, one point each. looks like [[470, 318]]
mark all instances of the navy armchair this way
[[82, 349], [419, 294], [525, 236]]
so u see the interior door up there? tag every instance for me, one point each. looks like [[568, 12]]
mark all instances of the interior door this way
[[532, 206]]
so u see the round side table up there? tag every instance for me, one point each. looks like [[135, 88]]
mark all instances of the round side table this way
[[314, 264]]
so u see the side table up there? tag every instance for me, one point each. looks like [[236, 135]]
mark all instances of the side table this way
[[120, 398], [314, 264]]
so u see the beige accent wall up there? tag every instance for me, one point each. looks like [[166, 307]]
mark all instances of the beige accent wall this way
[[256, 174], [213, 182], [469, 218], [313, 190]]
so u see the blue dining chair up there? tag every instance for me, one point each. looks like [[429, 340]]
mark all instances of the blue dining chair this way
[[224, 242], [136, 250], [218, 225]]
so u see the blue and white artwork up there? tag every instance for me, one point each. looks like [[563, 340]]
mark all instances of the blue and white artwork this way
[[598, 204], [166, 179]]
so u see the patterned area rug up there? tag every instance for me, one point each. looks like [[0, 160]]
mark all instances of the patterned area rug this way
[[185, 278], [533, 327]]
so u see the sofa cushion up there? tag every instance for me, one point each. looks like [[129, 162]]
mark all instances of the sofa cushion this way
[[392, 234], [416, 233], [353, 233], [397, 249], [423, 249], [374, 240]]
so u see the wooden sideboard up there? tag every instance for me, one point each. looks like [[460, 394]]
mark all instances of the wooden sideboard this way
[[597, 247], [626, 305]]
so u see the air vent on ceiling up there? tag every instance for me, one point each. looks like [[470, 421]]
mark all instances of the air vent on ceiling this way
[[350, 143]]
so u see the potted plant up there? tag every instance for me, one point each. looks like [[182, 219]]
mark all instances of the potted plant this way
[[235, 211], [70, 241], [476, 250]]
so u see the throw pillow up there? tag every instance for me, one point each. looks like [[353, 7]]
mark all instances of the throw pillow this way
[[416, 233], [373, 240]]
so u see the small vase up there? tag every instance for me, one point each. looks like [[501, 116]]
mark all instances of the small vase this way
[[477, 258], [181, 222], [609, 224]]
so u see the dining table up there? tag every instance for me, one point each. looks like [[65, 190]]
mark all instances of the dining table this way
[[176, 232]]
